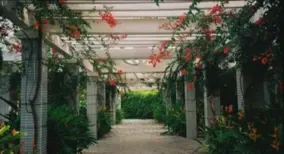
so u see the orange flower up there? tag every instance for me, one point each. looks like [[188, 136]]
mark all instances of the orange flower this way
[[253, 134], [14, 132], [189, 85], [184, 72], [264, 60], [275, 145], [226, 50], [275, 131], [240, 115]]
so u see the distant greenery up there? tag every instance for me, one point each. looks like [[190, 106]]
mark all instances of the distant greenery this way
[[140, 104]]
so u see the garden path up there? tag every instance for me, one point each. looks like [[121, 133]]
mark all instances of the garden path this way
[[141, 137]]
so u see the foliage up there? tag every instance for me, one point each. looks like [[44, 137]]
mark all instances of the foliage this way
[[139, 104], [119, 116], [104, 122], [256, 132], [67, 132], [160, 112], [176, 120], [9, 139]]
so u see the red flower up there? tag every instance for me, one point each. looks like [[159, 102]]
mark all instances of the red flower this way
[[226, 50], [120, 72], [61, 2], [45, 21], [215, 9], [17, 47], [259, 21], [107, 16], [187, 58], [53, 50], [183, 72], [111, 82], [154, 59], [254, 58], [217, 19], [76, 34], [264, 60], [189, 85]]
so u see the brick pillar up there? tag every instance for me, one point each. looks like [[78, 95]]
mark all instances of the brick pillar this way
[[191, 117], [30, 76], [92, 92], [4, 92]]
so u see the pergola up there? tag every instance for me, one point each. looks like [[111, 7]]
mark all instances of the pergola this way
[[140, 21]]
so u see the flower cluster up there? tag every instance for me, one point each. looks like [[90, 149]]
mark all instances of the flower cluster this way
[[108, 18], [8, 41]]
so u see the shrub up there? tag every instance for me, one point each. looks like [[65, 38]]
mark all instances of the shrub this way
[[256, 132], [160, 113], [67, 132], [139, 104], [119, 116], [176, 121], [104, 122], [9, 139]]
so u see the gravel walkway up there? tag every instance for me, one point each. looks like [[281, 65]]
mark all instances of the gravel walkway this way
[[141, 137]]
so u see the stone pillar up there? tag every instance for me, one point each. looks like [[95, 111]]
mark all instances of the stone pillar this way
[[191, 117], [118, 101], [112, 106], [240, 89], [207, 107], [92, 91], [178, 94], [34, 79], [73, 81], [4, 93], [102, 95]]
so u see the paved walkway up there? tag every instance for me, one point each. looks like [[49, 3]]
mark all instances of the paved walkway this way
[[141, 137]]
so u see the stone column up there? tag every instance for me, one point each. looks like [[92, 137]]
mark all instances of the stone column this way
[[112, 106], [178, 94], [207, 107], [102, 95], [34, 87], [240, 89], [73, 81], [118, 101], [191, 117], [4, 93], [92, 93]]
